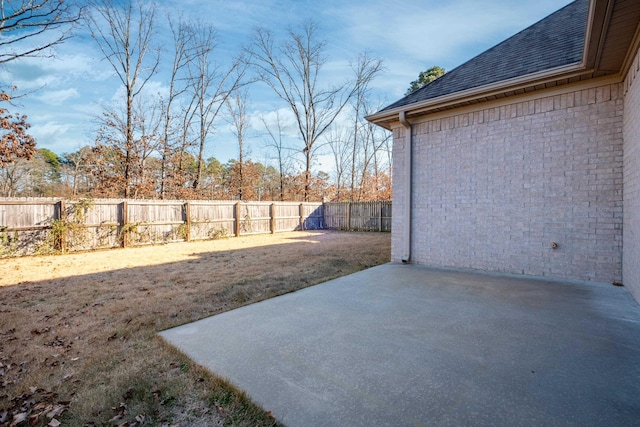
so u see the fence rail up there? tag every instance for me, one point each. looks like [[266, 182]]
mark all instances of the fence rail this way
[[358, 216], [45, 225]]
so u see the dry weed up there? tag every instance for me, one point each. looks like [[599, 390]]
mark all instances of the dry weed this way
[[78, 332]]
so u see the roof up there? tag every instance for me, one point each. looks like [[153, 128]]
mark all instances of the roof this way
[[555, 41]]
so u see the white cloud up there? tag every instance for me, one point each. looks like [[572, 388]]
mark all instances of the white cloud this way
[[155, 87], [58, 97], [48, 132]]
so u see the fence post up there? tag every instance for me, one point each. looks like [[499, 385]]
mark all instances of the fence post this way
[[63, 229], [272, 214], [379, 216], [301, 213], [349, 216], [237, 213], [125, 232], [187, 210]]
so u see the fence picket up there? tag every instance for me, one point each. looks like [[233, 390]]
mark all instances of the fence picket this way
[[27, 224]]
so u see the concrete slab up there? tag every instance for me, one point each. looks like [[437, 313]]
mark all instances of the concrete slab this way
[[411, 345]]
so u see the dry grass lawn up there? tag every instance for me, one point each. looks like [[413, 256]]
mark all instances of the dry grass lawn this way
[[78, 341]]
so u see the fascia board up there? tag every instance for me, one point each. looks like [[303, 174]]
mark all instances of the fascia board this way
[[563, 72]]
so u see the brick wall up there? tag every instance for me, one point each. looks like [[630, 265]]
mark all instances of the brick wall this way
[[494, 187], [631, 235]]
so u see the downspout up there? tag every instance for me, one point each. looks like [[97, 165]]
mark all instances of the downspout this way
[[407, 187]]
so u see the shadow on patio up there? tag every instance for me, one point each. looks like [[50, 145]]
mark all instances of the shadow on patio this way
[[411, 345]]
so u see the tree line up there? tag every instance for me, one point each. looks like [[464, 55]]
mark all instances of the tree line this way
[[155, 145], [80, 174]]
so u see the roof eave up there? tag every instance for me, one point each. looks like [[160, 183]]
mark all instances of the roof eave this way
[[631, 52], [385, 118], [599, 11]]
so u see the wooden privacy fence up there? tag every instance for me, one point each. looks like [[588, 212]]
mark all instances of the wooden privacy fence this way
[[38, 226], [358, 216]]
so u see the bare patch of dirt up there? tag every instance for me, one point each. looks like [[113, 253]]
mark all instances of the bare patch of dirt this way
[[78, 332]]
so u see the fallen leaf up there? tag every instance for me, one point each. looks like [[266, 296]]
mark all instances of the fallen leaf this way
[[40, 406], [18, 419], [56, 410], [54, 423], [116, 418], [33, 419]]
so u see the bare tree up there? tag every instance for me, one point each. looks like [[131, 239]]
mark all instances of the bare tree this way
[[148, 121], [187, 140], [292, 70], [368, 143], [237, 106], [74, 170], [277, 143], [382, 166], [123, 31], [22, 22], [211, 83], [372, 143], [339, 143], [364, 68], [35, 177], [12, 176], [182, 57]]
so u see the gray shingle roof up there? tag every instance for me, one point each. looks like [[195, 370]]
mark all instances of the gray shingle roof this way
[[554, 41]]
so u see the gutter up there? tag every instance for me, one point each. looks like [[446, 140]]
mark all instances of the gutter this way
[[407, 186], [517, 83]]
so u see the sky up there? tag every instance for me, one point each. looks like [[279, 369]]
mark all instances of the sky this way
[[65, 94]]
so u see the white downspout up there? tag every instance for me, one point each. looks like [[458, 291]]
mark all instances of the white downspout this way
[[407, 186]]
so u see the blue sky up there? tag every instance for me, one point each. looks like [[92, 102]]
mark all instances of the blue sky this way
[[67, 92]]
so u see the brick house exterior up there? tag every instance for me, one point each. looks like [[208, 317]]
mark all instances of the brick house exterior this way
[[534, 170], [631, 179]]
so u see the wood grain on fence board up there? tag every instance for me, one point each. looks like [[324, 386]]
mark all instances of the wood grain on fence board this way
[[33, 225]]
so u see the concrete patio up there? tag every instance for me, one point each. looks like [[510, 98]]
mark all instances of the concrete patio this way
[[411, 345]]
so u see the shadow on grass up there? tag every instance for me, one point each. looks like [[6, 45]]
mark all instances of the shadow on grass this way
[[91, 339]]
